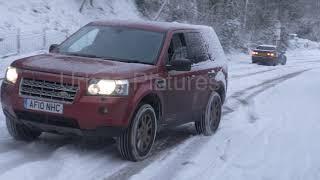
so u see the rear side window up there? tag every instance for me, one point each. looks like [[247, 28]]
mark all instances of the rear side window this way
[[197, 47], [215, 50], [178, 47]]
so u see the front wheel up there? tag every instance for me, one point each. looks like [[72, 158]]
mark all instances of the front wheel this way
[[21, 132], [136, 142], [210, 120]]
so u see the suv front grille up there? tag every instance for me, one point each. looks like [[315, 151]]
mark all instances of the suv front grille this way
[[48, 90]]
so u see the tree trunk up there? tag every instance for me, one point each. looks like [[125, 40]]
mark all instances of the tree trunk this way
[[82, 5], [160, 10]]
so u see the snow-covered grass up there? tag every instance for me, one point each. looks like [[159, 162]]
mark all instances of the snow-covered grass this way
[[52, 20], [298, 44], [34, 15]]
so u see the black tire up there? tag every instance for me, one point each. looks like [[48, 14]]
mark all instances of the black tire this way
[[21, 132], [136, 143], [210, 121], [284, 61]]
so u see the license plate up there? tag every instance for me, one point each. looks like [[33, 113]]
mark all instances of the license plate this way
[[43, 106]]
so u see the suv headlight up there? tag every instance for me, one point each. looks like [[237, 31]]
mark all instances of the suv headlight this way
[[11, 75], [109, 87]]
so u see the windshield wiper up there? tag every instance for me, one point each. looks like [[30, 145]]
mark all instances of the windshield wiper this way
[[107, 58], [135, 61], [83, 55]]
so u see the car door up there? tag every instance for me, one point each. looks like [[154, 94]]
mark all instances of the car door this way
[[203, 72], [177, 94]]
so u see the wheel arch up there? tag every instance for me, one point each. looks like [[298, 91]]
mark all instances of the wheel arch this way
[[153, 99], [221, 90]]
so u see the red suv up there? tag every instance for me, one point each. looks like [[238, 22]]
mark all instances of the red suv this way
[[124, 80]]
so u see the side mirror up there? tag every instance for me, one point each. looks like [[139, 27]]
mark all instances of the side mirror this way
[[53, 48], [180, 65], [203, 57]]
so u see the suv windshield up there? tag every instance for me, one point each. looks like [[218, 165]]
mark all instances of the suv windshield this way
[[268, 48], [114, 43]]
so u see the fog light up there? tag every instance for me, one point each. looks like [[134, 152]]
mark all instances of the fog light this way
[[103, 110]]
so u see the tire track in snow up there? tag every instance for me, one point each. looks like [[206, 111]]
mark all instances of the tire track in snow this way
[[264, 70], [251, 74], [166, 141], [23, 153], [49, 150], [263, 87]]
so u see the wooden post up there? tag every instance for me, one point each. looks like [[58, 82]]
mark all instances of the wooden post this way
[[18, 41], [44, 39]]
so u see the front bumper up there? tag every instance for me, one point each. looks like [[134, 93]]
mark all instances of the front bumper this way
[[50, 128], [264, 60], [86, 115]]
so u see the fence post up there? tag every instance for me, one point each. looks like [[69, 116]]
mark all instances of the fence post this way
[[18, 41], [44, 39]]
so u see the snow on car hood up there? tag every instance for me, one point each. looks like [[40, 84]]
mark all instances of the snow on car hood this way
[[83, 67]]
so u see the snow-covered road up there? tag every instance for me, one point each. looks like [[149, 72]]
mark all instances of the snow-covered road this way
[[269, 131]]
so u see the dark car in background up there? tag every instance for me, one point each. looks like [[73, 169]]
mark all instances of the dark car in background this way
[[125, 80], [268, 55]]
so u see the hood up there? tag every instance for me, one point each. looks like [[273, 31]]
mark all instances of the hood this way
[[83, 67]]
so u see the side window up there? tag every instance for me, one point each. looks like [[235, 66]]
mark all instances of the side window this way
[[178, 47], [197, 47], [84, 42]]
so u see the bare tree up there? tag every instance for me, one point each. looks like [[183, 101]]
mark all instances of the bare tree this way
[[161, 9], [83, 4]]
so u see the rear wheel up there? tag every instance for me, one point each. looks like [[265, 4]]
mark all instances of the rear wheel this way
[[136, 142], [284, 60], [21, 132], [210, 120]]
